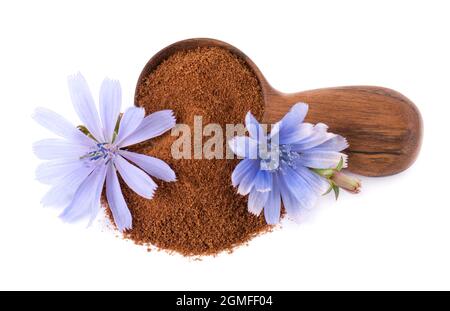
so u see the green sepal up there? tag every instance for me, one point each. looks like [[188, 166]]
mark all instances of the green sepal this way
[[340, 164], [116, 129], [85, 131], [329, 189], [336, 191], [324, 172]]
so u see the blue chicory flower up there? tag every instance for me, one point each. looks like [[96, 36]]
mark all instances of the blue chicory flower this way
[[78, 164], [278, 167]]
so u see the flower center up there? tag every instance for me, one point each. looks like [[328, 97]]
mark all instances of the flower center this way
[[276, 155], [102, 151]]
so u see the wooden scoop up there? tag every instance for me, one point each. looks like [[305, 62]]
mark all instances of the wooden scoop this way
[[383, 127]]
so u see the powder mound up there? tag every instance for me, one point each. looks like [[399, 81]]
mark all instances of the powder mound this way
[[201, 213]]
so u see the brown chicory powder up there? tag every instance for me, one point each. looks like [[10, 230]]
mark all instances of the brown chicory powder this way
[[201, 213]]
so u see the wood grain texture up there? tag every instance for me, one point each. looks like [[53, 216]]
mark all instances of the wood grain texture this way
[[383, 127]]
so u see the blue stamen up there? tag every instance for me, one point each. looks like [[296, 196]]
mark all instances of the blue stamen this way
[[277, 155], [103, 151]]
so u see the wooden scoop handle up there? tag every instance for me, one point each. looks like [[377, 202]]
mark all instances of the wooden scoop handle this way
[[383, 127]]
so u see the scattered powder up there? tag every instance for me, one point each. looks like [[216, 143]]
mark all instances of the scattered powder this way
[[201, 213]]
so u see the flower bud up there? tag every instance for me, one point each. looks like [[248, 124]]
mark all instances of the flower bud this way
[[346, 182]]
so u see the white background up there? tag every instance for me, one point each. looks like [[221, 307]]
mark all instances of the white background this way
[[394, 235]]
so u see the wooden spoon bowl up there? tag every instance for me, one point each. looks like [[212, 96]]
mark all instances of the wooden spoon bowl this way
[[383, 127]]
